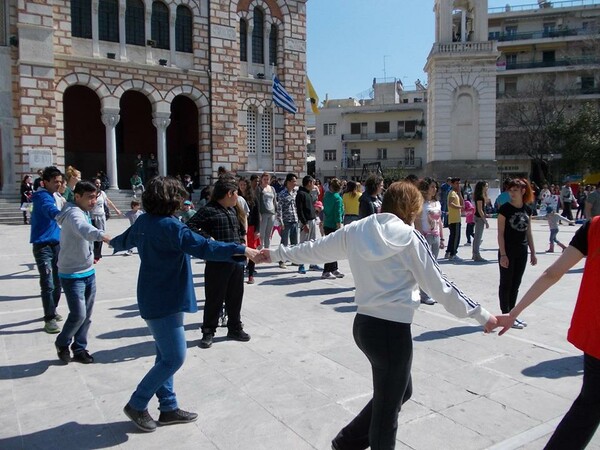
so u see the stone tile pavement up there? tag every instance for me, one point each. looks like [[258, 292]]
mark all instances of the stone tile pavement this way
[[300, 378]]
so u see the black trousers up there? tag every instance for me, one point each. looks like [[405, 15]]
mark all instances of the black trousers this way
[[223, 282], [567, 210], [330, 266], [578, 426], [454, 238], [510, 278], [388, 346]]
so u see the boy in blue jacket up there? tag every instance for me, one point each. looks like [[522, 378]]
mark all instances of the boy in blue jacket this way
[[76, 271], [45, 237], [165, 291]]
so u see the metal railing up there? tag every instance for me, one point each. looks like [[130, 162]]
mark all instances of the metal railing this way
[[464, 47], [382, 136], [581, 61], [548, 4], [391, 163], [561, 92]]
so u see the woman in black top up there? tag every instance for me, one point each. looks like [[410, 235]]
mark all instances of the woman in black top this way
[[480, 196], [514, 236], [26, 192], [370, 201], [253, 232]]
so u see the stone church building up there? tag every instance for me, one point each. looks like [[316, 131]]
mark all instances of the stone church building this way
[[93, 83]]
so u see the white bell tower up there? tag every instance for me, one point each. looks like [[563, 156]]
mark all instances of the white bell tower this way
[[462, 93]]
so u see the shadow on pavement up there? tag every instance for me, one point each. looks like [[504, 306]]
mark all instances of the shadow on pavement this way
[[450, 332], [73, 435], [570, 366], [321, 291], [136, 332], [26, 371], [8, 298], [19, 324], [133, 311]]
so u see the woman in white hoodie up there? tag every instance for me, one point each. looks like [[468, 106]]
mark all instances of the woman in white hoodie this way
[[389, 260]]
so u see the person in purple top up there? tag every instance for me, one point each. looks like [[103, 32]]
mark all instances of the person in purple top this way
[[165, 291]]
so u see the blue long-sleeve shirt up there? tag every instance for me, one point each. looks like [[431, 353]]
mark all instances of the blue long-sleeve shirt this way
[[165, 284], [44, 228]]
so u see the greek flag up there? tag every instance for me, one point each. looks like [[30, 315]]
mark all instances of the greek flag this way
[[282, 98]]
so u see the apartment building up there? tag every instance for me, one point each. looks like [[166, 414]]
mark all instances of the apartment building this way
[[386, 132], [92, 83], [549, 49]]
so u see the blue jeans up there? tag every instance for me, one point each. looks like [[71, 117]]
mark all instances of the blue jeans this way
[[169, 337], [289, 234], [80, 293], [46, 259]]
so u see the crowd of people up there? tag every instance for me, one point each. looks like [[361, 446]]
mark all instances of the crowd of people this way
[[391, 236]]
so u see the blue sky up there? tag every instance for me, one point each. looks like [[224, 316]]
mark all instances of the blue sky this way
[[349, 40]]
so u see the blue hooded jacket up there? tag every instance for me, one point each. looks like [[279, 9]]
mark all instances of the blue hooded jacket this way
[[44, 228]]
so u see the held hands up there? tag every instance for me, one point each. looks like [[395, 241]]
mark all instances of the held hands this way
[[106, 239], [490, 325], [258, 256], [506, 322]]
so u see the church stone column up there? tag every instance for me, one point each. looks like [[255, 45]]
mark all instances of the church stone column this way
[[110, 121], [161, 123]]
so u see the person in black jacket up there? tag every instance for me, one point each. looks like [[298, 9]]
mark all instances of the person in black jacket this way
[[370, 201], [26, 193], [223, 280], [306, 215]]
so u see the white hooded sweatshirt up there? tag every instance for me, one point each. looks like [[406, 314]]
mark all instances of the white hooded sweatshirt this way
[[389, 261]]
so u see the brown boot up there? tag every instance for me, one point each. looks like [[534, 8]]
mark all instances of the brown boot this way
[[551, 249]]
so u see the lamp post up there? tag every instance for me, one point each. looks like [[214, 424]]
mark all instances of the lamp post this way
[[354, 159]]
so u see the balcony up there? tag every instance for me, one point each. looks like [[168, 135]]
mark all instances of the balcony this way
[[541, 34], [391, 163], [464, 47], [563, 92], [548, 4], [398, 135], [565, 62]]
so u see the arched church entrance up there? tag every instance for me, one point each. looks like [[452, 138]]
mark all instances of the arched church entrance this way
[[182, 138], [135, 134], [85, 137]]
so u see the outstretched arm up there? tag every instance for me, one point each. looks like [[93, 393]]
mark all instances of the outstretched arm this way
[[551, 275]]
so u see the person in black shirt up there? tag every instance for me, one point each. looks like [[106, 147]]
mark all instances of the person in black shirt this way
[[370, 201], [514, 236], [224, 281]]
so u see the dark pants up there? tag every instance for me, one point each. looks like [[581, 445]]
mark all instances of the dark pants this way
[[510, 278], [454, 238], [388, 346], [567, 212], [330, 266], [46, 259], [470, 231], [578, 426], [224, 282]]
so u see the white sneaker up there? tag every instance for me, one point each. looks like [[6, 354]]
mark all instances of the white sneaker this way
[[338, 274], [328, 276], [282, 265]]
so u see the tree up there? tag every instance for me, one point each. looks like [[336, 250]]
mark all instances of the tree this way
[[527, 124], [579, 140]]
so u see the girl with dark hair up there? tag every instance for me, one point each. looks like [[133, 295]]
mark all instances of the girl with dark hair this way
[[514, 236], [253, 231], [333, 210], [165, 291], [351, 200], [100, 214], [370, 201], [481, 198], [26, 193]]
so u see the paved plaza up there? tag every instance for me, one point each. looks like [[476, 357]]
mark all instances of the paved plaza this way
[[300, 378]]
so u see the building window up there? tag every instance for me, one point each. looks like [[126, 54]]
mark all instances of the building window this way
[[510, 86], [587, 85], [549, 29], [251, 130], [511, 31], [160, 25], [382, 127], [511, 60], [258, 33], [81, 18], [353, 152], [266, 131], [135, 32], [329, 129], [243, 40], [358, 128], [183, 29], [407, 126], [273, 45], [329, 155], [382, 153], [409, 156], [108, 20], [549, 57]]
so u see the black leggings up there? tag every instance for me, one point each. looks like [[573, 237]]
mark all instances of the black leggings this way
[[578, 426], [510, 278], [388, 346]]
